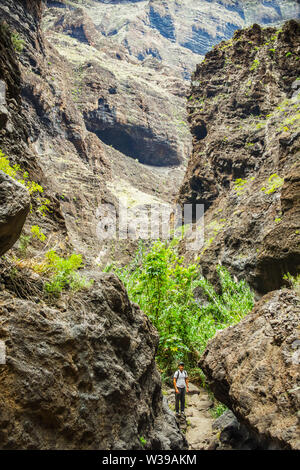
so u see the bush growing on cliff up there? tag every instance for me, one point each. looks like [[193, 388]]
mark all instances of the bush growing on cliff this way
[[63, 273], [18, 174], [164, 287], [17, 42]]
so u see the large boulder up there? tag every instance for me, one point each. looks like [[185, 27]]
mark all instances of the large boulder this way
[[14, 207], [253, 367], [80, 373]]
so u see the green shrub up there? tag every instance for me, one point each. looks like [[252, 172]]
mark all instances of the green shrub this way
[[218, 410], [239, 185], [17, 42], [143, 441], [37, 233], [274, 182], [255, 64], [63, 273], [294, 281], [24, 241], [164, 288]]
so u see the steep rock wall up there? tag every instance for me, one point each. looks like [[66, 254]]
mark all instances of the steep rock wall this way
[[244, 116], [80, 370], [47, 136]]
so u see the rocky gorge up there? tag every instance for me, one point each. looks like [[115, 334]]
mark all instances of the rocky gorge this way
[[96, 106]]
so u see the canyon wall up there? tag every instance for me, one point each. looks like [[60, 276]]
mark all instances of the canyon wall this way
[[244, 115], [79, 369]]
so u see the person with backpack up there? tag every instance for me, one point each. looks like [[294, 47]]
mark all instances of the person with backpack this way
[[181, 385]]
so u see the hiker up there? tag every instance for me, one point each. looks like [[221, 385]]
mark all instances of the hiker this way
[[181, 385]]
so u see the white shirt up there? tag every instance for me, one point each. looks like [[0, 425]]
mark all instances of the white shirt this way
[[180, 378]]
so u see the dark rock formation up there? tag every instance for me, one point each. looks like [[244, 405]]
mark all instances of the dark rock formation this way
[[81, 374], [14, 207], [233, 435], [244, 115], [253, 367]]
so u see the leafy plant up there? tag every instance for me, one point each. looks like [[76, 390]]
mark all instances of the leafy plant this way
[[63, 273], [239, 185], [218, 410], [255, 64], [37, 233], [17, 41], [294, 281], [274, 182], [43, 205], [143, 441], [164, 288], [24, 241]]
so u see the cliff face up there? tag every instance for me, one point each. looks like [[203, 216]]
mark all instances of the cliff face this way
[[244, 116], [127, 64], [95, 112], [80, 369], [176, 33]]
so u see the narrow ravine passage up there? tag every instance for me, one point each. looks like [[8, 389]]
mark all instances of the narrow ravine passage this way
[[197, 426], [98, 299]]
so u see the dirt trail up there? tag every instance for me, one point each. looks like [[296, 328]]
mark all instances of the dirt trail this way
[[197, 426]]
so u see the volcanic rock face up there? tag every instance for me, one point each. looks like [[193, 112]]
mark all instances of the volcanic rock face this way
[[82, 376], [14, 207], [137, 110], [244, 115], [46, 135], [253, 367], [80, 371]]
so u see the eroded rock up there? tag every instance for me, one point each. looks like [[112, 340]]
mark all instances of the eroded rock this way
[[243, 112], [14, 207], [82, 377], [253, 367]]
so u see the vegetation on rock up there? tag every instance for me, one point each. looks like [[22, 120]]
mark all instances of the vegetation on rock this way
[[165, 288]]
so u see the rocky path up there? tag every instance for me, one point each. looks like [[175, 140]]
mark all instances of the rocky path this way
[[197, 426], [203, 431]]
